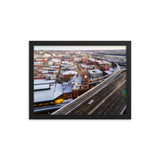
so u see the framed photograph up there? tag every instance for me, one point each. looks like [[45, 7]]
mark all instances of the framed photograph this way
[[80, 80]]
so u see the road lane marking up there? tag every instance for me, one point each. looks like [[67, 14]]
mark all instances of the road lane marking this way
[[106, 98], [123, 109]]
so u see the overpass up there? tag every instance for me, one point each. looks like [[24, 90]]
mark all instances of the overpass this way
[[98, 94]]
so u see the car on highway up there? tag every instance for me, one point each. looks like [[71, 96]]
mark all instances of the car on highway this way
[[91, 101]]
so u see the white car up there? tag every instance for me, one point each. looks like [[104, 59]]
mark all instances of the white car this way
[[91, 101]]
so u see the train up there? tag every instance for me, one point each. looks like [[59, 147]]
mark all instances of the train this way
[[57, 101]]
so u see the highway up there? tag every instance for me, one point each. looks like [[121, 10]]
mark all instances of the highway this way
[[106, 98]]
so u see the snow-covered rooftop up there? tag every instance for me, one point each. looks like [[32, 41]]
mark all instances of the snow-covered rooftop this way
[[76, 79], [67, 88], [111, 69], [77, 59], [69, 72], [108, 72], [41, 86], [94, 71], [44, 71], [87, 66], [91, 59], [77, 86], [41, 81], [47, 55], [56, 60], [38, 63], [47, 95]]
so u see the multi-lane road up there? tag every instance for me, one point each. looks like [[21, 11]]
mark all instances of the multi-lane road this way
[[104, 99]]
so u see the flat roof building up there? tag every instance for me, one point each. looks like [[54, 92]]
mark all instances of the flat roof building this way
[[67, 74], [95, 73], [49, 94]]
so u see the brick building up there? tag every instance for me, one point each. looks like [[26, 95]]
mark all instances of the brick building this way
[[67, 74], [85, 80], [84, 59]]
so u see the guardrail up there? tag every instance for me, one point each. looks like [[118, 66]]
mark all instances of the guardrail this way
[[84, 97]]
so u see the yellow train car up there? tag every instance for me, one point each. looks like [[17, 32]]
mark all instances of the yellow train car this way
[[52, 102], [40, 104], [35, 105], [60, 100]]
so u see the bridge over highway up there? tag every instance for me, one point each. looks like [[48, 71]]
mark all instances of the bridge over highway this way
[[106, 98]]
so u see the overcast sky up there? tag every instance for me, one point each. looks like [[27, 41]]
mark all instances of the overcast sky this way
[[79, 47]]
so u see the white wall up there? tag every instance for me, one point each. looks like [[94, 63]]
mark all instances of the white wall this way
[[22, 21]]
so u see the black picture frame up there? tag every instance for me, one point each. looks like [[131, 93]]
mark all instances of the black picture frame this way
[[80, 43]]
